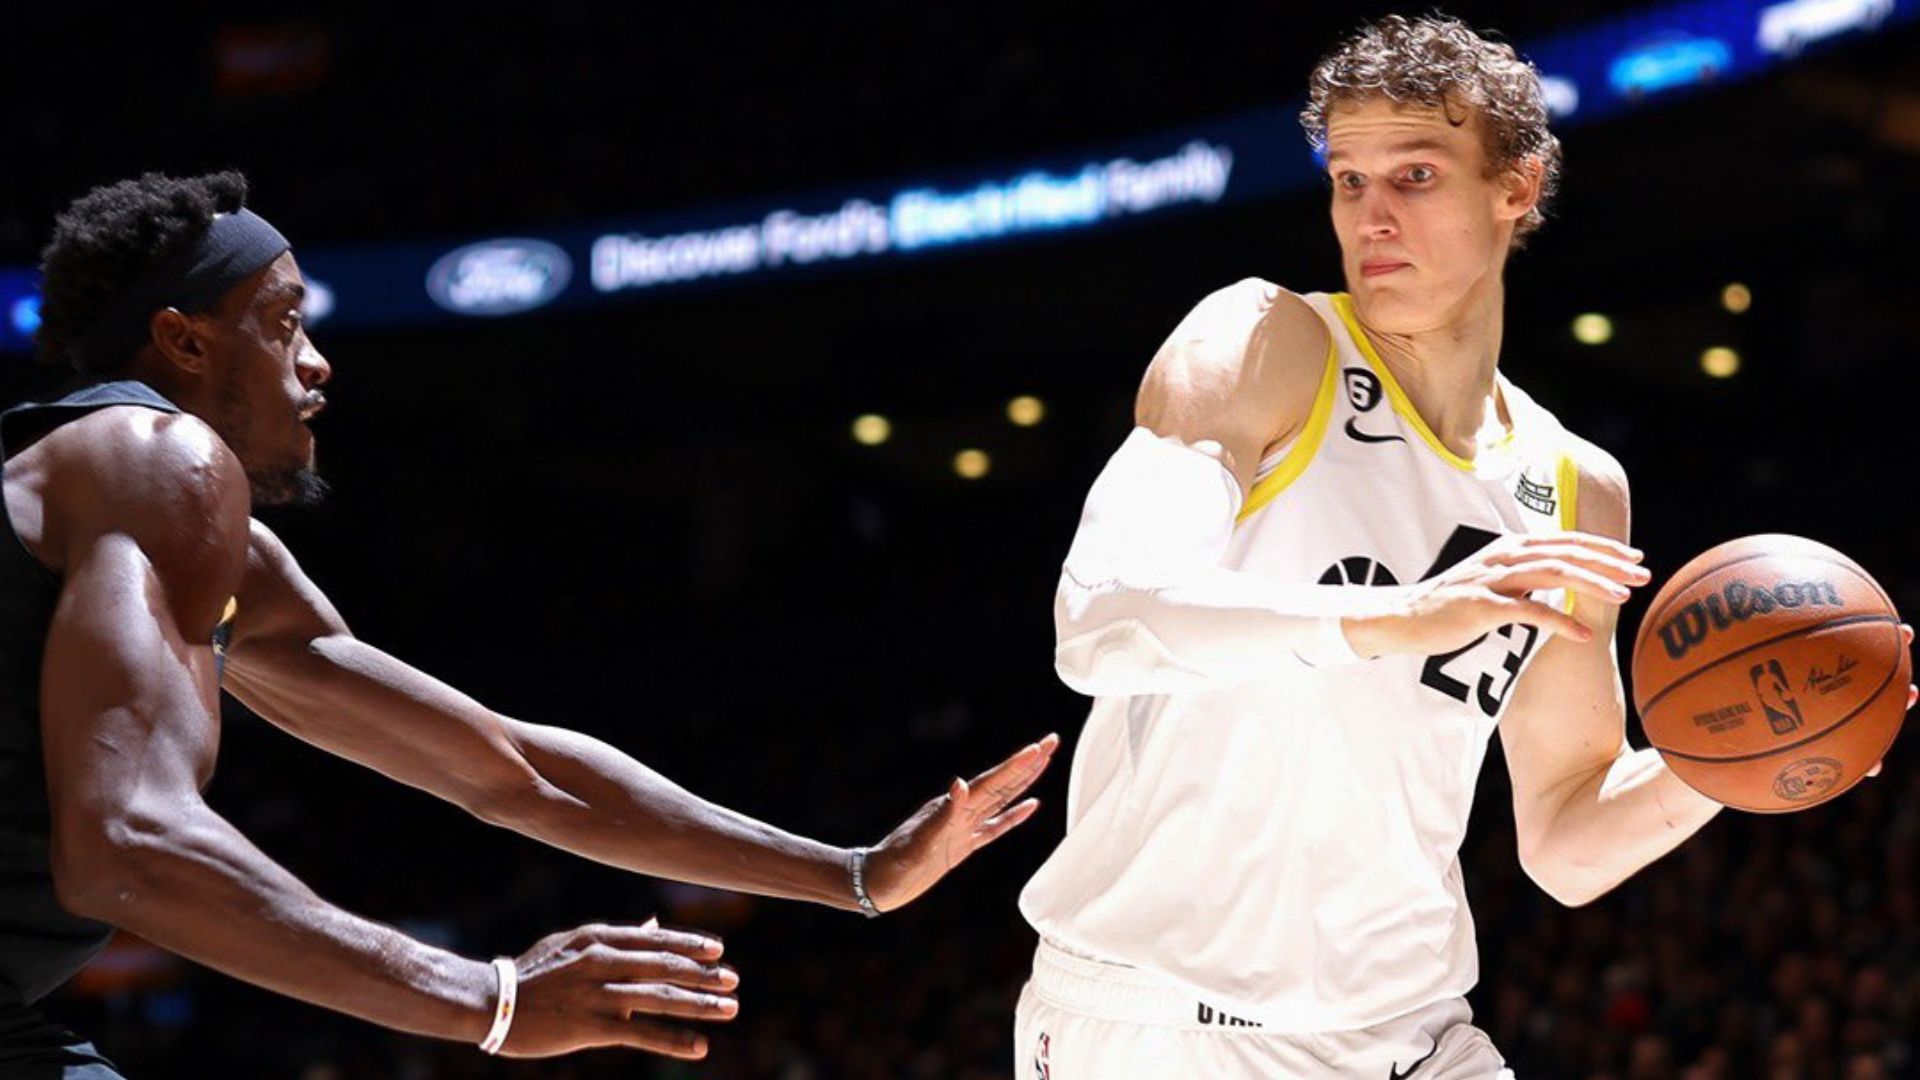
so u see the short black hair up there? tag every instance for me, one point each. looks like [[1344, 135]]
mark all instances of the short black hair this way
[[105, 240]]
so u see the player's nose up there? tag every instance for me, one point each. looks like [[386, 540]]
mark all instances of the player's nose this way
[[313, 368], [1375, 218], [1376, 221]]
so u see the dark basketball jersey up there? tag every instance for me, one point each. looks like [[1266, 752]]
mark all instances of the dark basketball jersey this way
[[41, 944]]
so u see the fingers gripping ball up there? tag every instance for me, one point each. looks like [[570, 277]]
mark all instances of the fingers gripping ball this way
[[1771, 673]]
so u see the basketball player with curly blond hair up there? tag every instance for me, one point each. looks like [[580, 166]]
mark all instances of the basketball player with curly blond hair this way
[[1337, 553]]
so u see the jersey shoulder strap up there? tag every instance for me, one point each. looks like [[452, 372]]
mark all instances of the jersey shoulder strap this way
[[1300, 453], [25, 422]]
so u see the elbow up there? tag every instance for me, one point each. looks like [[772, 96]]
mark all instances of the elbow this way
[[511, 795], [79, 881], [1564, 892], [1097, 661], [514, 806], [1099, 652], [1075, 674], [102, 865], [1569, 883], [1074, 648], [1122, 659]]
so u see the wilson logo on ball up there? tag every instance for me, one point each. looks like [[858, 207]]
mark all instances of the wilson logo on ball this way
[[1739, 602]]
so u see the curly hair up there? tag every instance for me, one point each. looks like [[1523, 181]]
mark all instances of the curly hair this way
[[105, 240], [1433, 60]]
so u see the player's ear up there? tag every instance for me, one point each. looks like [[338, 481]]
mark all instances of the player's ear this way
[[1520, 187], [180, 339]]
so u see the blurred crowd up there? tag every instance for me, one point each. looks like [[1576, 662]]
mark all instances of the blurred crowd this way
[[1781, 948]]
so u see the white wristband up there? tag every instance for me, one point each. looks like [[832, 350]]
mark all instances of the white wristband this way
[[503, 1005], [858, 863], [1328, 646]]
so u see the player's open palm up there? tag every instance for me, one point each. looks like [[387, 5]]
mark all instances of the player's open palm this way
[[941, 834], [1493, 587], [616, 986]]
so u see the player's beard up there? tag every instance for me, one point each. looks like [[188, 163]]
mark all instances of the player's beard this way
[[303, 486], [295, 483]]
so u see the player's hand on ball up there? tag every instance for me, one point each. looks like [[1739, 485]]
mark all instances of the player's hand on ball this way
[[1913, 692], [941, 834], [605, 985], [1490, 588]]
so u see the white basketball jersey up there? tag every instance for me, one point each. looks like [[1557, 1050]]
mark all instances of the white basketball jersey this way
[[1287, 848]]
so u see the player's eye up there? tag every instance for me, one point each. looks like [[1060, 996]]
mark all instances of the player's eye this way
[[1349, 180], [1420, 174]]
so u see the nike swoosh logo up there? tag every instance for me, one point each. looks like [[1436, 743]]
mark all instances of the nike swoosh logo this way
[[1357, 435], [1396, 1074]]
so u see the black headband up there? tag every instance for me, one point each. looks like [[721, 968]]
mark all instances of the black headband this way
[[192, 279]]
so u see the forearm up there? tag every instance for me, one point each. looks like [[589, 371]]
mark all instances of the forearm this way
[[1612, 823], [560, 787], [599, 803], [190, 883], [1199, 628], [1144, 604]]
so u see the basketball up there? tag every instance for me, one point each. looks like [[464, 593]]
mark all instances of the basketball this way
[[1770, 673]]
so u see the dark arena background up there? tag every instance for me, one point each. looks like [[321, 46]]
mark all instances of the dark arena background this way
[[607, 475]]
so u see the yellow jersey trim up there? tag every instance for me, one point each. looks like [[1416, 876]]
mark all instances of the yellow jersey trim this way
[[1301, 452], [1569, 478], [1402, 404], [1569, 493]]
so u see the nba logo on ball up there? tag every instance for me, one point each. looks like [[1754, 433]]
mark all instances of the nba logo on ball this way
[[1776, 696]]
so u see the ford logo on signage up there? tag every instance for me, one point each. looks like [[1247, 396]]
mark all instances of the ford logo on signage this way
[[499, 277]]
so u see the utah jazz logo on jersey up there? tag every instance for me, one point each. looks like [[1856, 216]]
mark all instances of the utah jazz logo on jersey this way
[[1464, 678], [1358, 570], [1363, 393]]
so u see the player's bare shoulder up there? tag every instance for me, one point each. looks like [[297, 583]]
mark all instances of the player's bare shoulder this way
[[138, 455], [167, 480], [1239, 371], [1603, 504]]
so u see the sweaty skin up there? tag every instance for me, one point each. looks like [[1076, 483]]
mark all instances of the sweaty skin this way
[[146, 517]]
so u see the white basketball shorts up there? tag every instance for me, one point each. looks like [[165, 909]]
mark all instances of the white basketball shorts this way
[[1081, 1019]]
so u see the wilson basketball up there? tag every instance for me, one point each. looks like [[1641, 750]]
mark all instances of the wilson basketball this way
[[1771, 674]]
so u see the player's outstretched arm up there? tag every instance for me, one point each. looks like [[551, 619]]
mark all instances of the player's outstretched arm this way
[[294, 661], [146, 521]]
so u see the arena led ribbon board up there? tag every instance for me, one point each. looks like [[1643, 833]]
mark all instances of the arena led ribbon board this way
[[1602, 70]]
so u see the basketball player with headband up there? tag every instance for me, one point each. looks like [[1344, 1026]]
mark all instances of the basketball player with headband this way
[[1336, 554], [136, 585]]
